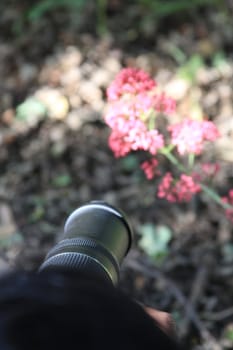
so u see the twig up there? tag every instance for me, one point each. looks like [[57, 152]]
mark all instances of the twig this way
[[219, 315], [152, 272], [197, 290]]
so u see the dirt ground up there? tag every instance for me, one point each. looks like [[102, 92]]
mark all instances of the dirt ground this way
[[50, 165]]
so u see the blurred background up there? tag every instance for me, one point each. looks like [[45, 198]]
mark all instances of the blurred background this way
[[57, 58]]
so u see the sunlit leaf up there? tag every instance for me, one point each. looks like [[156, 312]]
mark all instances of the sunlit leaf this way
[[219, 59], [155, 240], [30, 108], [229, 334], [189, 69], [14, 239], [62, 180], [227, 252], [37, 213]]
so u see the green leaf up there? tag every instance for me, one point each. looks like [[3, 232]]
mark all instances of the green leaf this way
[[40, 9], [37, 213], [14, 239], [155, 240], [219, 59], [129, 163], [227, 252], [163, 8], [176, 53], [228, 333], [188, 71], [30, 108], [62, 180]]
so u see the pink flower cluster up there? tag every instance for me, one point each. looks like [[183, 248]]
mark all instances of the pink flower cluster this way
[[210, 169], [206, 171], [189, 135], [133, 137], [181, 190], [130, 81], [132, 106], [150, 168], [229, 200], [164, 104]]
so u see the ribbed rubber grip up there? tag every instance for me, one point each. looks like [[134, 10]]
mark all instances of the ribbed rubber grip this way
[[75, 261], [85, 247], [82, 243]]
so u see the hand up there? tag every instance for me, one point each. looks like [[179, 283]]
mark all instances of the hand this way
[[163, 320]]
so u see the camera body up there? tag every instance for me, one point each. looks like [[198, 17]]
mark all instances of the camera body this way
[[74, 299]]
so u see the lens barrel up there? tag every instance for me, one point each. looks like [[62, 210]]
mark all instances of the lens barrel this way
[[96, 238]]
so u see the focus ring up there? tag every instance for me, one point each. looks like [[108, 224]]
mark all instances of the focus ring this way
[[75, 244], [86, 247], [75, 261]]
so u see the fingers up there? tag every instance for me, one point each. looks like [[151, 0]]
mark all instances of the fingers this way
[[163, 320]]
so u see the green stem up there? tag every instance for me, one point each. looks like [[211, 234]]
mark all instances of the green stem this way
[[212, 194], [191, 159], [167, 153]]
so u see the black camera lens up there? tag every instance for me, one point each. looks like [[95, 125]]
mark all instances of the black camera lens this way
[[97, 237]]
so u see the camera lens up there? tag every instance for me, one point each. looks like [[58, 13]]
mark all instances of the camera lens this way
[[96, 238]]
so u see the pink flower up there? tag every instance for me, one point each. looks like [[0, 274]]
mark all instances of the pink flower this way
[[133, 107], [189, 135], [126, 136], [165, 104], [181, 190], [150, 168], [118, 144], [210, 169], [229, 200], [185, 188], [140, 106], [132, 135], [145, 140], [131, 112], [130, 81], [206, 171], [118, 112], [155, 141], [165, 188]]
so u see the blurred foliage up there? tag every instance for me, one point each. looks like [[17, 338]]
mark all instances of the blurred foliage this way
[[219, 60], [15, 239], [37, 214], [227, 252], [147, 13], [38, 211], [30, 108], [38, 10], [129, 163], [62, 180], [44, 6], [162, 8], [189, 69], [154, 241], [229, 334]]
